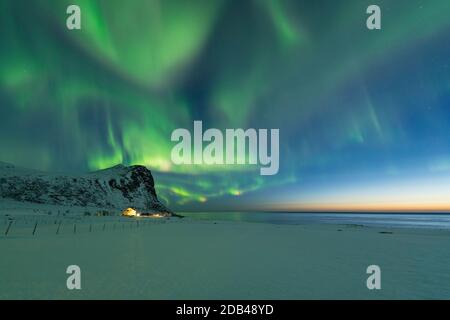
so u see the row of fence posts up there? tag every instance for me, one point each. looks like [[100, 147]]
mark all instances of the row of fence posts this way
[[35, 227]]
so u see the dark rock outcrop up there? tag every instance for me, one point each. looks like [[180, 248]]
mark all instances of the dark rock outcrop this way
[[118, 188]]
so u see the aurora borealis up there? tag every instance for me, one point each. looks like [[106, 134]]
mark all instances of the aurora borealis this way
[[364, 116]]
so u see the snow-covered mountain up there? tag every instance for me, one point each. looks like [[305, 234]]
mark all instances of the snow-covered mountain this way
[[118, 188]]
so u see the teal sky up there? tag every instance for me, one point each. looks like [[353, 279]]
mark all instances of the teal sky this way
[[364, 116]]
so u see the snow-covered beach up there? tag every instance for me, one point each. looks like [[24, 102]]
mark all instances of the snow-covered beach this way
[[192, 259]]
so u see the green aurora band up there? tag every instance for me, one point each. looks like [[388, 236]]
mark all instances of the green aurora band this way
[[114, 91]]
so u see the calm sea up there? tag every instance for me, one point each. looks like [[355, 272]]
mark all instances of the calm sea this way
[[424, 220]]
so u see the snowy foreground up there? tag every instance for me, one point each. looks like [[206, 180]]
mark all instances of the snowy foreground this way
[[187, 259]]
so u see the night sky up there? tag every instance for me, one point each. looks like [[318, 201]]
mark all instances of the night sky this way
[[364, 116]]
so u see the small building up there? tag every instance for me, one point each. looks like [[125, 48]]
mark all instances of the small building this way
[[130, 212], [133, 213]]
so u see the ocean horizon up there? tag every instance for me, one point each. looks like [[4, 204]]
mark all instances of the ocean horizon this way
[[389, 220]]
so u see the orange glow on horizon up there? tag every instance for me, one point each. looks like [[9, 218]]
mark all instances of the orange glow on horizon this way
[[429, 194], [374, 207]]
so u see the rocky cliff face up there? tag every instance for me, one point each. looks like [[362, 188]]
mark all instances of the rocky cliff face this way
[[118, 188]]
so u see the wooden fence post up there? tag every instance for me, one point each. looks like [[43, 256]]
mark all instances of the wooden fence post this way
[[35, 226], [9, 226]]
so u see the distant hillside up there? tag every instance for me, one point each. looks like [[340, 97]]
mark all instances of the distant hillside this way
[[118, 188]]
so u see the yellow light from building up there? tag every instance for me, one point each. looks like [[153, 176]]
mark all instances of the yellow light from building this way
[[130, 212]]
